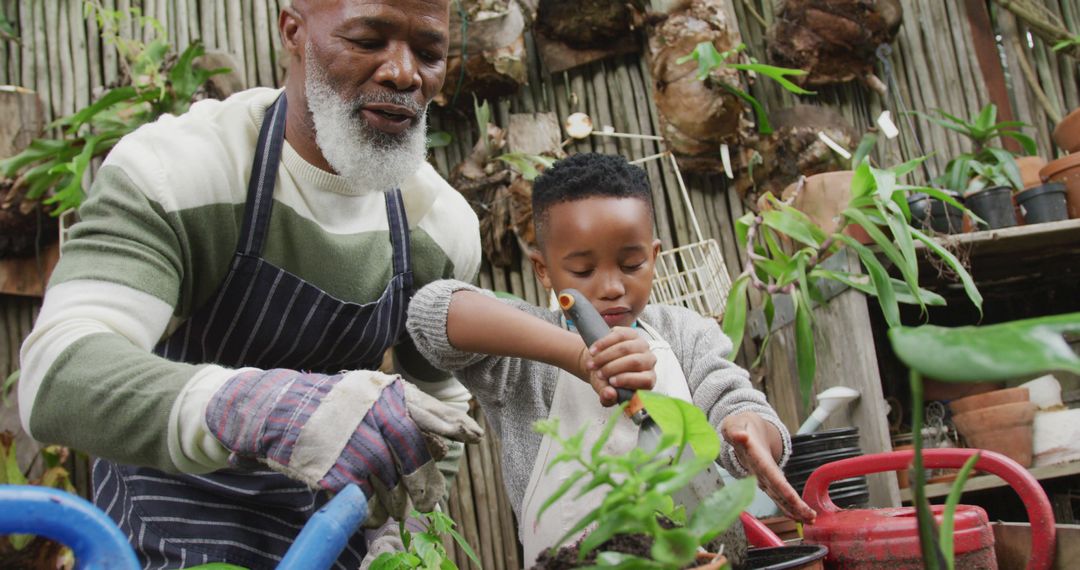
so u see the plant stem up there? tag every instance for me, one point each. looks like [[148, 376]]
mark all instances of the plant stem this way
[[1041, 23]]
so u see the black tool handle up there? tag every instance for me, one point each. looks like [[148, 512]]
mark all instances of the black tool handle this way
[[590, 325]]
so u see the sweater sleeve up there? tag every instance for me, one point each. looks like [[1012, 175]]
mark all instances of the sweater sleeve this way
[[719, 387], [89, 379]]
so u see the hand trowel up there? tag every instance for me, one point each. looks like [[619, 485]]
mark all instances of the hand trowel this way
[[591, 326]]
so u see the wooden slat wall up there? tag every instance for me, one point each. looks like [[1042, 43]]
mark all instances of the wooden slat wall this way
[[61, 56]]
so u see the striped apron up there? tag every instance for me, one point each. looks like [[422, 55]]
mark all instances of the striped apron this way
[[265, 317]]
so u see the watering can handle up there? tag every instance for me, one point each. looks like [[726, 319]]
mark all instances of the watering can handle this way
[[91, 535], [816, 493]]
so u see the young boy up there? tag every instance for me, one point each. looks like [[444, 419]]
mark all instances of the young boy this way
[[594, 230]]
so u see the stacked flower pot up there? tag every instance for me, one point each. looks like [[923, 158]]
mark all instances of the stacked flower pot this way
[[1066, 170], [999, 421]]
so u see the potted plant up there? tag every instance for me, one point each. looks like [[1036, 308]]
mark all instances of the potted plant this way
[[638, 525], [877, 203], [1066, 170], [987, 176], [425, 549]]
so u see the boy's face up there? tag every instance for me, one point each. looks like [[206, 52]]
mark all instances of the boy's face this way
[[603, 247]]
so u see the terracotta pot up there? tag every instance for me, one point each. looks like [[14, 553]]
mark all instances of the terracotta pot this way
[[1067, 133], [989, 399], [948, 391], [1029, 170], [823, 198], [1067, 171], [1006, 429]]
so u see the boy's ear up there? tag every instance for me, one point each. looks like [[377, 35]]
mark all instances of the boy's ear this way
[[540, 268], [655, 249]]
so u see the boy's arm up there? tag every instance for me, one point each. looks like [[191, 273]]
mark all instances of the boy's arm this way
[[464, 328]]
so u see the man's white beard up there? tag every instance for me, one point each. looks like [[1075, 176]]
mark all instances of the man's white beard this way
[[371, 160]]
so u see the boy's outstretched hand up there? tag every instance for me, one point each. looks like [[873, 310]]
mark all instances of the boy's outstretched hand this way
[[620, 359], [757, 444]]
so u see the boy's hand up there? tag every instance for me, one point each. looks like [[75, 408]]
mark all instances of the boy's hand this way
[[621, 359], [757, 443]]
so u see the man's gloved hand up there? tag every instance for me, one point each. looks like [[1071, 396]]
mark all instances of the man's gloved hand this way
[[362, 427]]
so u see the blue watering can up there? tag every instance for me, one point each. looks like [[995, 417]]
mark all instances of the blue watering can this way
[[98, 544]]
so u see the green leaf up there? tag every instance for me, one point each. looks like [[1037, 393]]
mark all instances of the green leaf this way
[[613, 524], [777, 74], [954, 264], [1025, 141], [764, 126], [601, 441], [958, 172], [945, 533], [437, 139], [707, 59], [805, 359], [12, 474], [719, 510], [683, 420], [184, 78], [790, 226], [562, 490], [991, 352], [879, 277], [1008, 165], [110, 98], [908, 268], [906, 246], [862, 183], [906, 168], [526, 164], [483, 119], [985, 120], [676, 547], [734, 323], [866, 146], [884, 182], [7, 387], [862, 283], [742, 226]]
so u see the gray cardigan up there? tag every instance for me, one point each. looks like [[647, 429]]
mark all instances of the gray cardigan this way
[[514, 393]]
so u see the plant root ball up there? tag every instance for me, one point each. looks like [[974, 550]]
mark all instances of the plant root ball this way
[[833, 40], [584, 24]]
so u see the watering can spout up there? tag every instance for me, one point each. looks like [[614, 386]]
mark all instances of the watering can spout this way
[[829, 401]]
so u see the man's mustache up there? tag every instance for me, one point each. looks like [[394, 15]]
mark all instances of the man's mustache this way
[[401, 99]]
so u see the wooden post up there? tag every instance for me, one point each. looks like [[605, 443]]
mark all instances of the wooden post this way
[[986, 49]]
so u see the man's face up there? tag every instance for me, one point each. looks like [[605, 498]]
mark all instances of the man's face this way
[[603, 247], [370, 69]]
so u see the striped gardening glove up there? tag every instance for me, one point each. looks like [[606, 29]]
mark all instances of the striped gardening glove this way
[[361, 427]]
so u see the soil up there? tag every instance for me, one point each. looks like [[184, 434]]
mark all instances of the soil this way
[[583, 24], [733, 541], [833, 40]]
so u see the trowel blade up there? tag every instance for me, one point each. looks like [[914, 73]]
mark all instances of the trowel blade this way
[[700, 487]]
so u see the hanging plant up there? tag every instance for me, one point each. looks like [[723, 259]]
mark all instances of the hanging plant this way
[[570, 33], [487, 55], [700, 74], [498, 185], [155, 82], [834, 41], [795, 148]]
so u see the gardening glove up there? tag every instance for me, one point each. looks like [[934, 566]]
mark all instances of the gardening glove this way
[[386, 538], [362, 427]]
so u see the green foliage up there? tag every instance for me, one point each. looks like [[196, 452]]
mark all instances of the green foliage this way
[[639, 486], [425, 549], [53, 170], [786, 247], [986, 166], [55, 476], [1067, 43], [709, 60], [973, 354], [437, 139], [526, 164], [1016, 349], [8, 31]]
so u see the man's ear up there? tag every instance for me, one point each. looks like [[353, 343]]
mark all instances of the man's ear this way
[[540, 268], [291, 28]]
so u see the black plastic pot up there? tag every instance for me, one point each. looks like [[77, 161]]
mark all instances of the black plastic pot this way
[[786, 557], [1044, 203], [931, 213], [994, 205], [812, 450]]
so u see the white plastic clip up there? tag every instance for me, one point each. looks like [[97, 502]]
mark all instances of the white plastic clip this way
[[885, 123], [834, 145], [725, 155]]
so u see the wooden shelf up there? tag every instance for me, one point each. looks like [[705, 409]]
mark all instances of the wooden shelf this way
[[983, 482], [999, 258]]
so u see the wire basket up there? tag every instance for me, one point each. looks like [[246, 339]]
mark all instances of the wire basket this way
[[694, 275]]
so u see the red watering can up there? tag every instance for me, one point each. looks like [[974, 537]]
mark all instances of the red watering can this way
[[878, 538]]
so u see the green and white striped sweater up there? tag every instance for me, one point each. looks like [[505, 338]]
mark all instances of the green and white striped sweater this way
[[156, 236]]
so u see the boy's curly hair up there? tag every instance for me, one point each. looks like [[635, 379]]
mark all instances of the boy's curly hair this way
[[587, 175]]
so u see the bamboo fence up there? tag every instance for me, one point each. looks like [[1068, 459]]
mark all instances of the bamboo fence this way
[[934, 65]]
